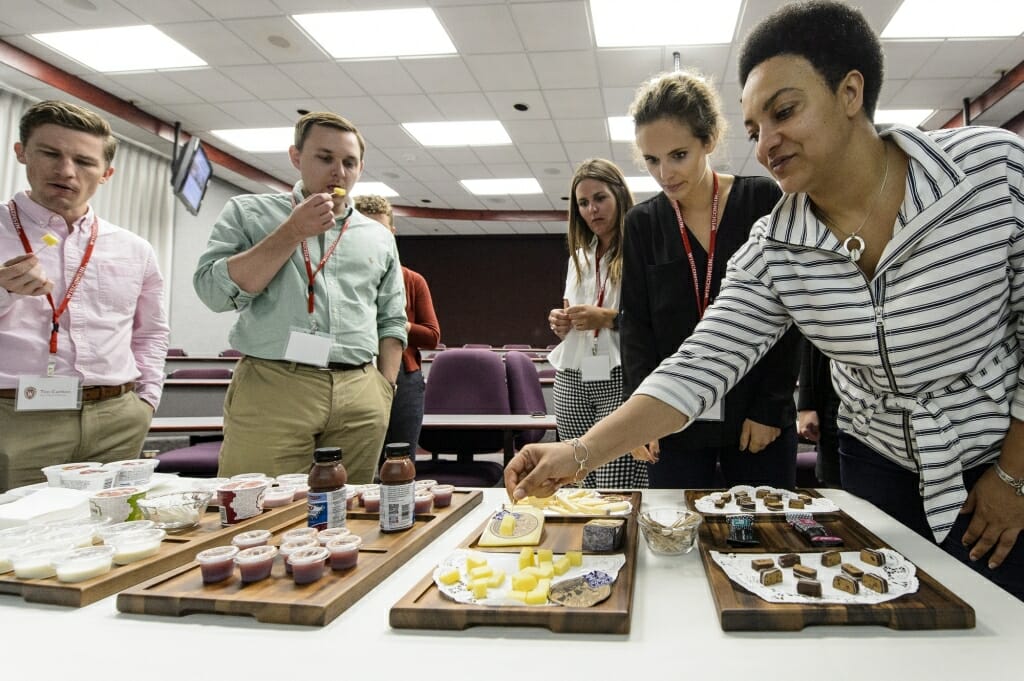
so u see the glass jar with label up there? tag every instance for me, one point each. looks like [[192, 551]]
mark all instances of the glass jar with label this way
[[326, 497], [397, 488]]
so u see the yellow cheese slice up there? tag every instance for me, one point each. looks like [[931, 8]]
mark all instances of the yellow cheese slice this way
[[529, 524]]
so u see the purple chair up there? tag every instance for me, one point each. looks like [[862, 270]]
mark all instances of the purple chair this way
[[230, 352], [209, 374], [197, 461], [546, 373], [524, 393], [176, 352], [464, 382], [477, 346]]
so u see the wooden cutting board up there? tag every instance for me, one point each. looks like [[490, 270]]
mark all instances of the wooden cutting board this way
[[278, 599], [933, 606], [175, 550], [425, 607]]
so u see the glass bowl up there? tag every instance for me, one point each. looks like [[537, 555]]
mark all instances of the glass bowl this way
[[670, 531], [175, 512]]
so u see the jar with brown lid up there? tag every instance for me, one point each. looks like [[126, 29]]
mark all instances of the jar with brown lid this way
[[397, 488], [327, 495]]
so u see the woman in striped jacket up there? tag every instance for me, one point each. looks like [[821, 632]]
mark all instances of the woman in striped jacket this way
[[900, 255]]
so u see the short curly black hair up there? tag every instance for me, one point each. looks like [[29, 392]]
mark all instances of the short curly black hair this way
[[833, 36]]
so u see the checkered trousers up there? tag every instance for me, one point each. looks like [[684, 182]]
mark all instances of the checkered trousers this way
[[578, 406]]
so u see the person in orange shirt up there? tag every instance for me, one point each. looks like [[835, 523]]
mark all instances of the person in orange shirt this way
[[424, 334]]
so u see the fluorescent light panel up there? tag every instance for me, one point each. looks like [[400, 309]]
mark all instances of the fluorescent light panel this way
[[121, 49], [912, 117], [949, 19], [459, 133], [621, 128], [521, 185], [643, 184], [378, 188], [663, 22], [377, 33], [258, 140]]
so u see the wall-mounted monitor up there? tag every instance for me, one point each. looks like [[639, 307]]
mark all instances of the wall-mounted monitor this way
[[192, 173]]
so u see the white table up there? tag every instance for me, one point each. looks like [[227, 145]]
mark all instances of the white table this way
[[675, 633]]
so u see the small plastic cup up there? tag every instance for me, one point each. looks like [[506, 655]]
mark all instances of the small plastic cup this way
[[371, 501], [119, 504], [54, 472], [368, 489], [209, 485], [425, 484], [88, 479], [308, 564], [85, 563], [36, 561], [290, 547], [133, 546], [255, 564], [300, 481], [241, 499], [424, 501], [247, 540], [109, 531], [279, 495], [442, 495], [344, 551], [330, 533], [132, 471], [78, 536], [299, 533], [351, 497], [217, 564]]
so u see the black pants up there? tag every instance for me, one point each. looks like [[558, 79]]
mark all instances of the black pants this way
[[894, 489]]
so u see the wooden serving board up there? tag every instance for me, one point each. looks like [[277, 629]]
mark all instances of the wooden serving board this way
[[278, 599], [933, 606], [425, 607], [175, 550]]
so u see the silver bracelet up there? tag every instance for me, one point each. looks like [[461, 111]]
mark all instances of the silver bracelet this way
[[577, 445]]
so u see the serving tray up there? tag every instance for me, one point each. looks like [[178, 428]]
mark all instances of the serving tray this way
[[175, 550], [278, 599], [425, 607], [933, 606]]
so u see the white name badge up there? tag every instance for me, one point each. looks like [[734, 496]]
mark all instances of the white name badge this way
[[308, 348], [48, 393], [712, 414], [595, 368]]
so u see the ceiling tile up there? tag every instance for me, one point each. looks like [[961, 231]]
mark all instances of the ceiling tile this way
[[504, 102], [932, 93], [585, 103], [711, 61], [257, 114], [628, 67], [502, 71], [410, 157], [540, 153], [382, 76], [528, 227], [441, 74], [466, 106], [963, 59], [904, 58], [360, 110], [531, 131], [470, 171], [197, 117], [409, 108], [455, 156], [256, 34], [157, 88], [583, 129], [210, 84], [289, 107], [481, 28], [265, 81], [386, 136], [34, 17], [499, 158], [580, 151], [159, 11], [107, 13], [565, 69], [230, 9], [213, 43], [322, 78], [553, 26], [618, 99]]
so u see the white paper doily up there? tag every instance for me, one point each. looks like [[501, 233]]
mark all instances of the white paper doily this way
[[609, 564], [898, 571], [706, 504]]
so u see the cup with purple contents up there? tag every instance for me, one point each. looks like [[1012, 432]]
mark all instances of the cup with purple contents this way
[[344, 551], [217, 564], [241, 499]]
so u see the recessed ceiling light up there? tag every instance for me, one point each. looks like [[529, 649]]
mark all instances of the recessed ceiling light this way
[[621, 129], [377, 188], [258, 140], [521, 107], [459, 133], [279, 41], [492, 187], [121, 49], [642, 184], [616, 24], [913, 117], [377, 33], [948, 19]]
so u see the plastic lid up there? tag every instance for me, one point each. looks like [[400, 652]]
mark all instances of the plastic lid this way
[[397, 449], [327, 454]]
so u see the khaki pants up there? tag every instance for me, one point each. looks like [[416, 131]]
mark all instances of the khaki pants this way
[[104, 431], [277, 413]]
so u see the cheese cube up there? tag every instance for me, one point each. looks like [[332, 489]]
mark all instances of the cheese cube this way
[[525, 557], [547, 570], [449, 577], [524, 581], [340, 191], [575, 558], [50, 239], [508, 526], [517, 595], [544, 555], [562, 565], [544, 585], [481, 572], [475, 559], [536, 597], [479, 589], [496, 579]]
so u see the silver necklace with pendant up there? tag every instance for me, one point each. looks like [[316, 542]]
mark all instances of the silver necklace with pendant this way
[[854, 243]]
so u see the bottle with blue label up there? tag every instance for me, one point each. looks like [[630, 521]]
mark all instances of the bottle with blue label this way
[[326, 497], [397, 488]]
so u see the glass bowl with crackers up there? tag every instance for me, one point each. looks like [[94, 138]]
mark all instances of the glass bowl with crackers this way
[[669, 531]]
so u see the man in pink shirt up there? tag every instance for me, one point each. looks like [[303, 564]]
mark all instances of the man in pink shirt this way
[[83, 329]]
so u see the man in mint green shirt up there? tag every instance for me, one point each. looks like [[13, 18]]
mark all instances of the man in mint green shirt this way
[[319, 294]]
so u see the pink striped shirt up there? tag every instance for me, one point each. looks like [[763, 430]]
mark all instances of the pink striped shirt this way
[[115, 328]]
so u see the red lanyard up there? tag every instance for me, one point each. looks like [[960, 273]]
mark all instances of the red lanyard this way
[[310, 274], [701, 306], [58, 311], [599, 286]]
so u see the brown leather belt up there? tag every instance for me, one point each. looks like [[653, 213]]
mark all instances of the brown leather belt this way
[[90, 393]]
